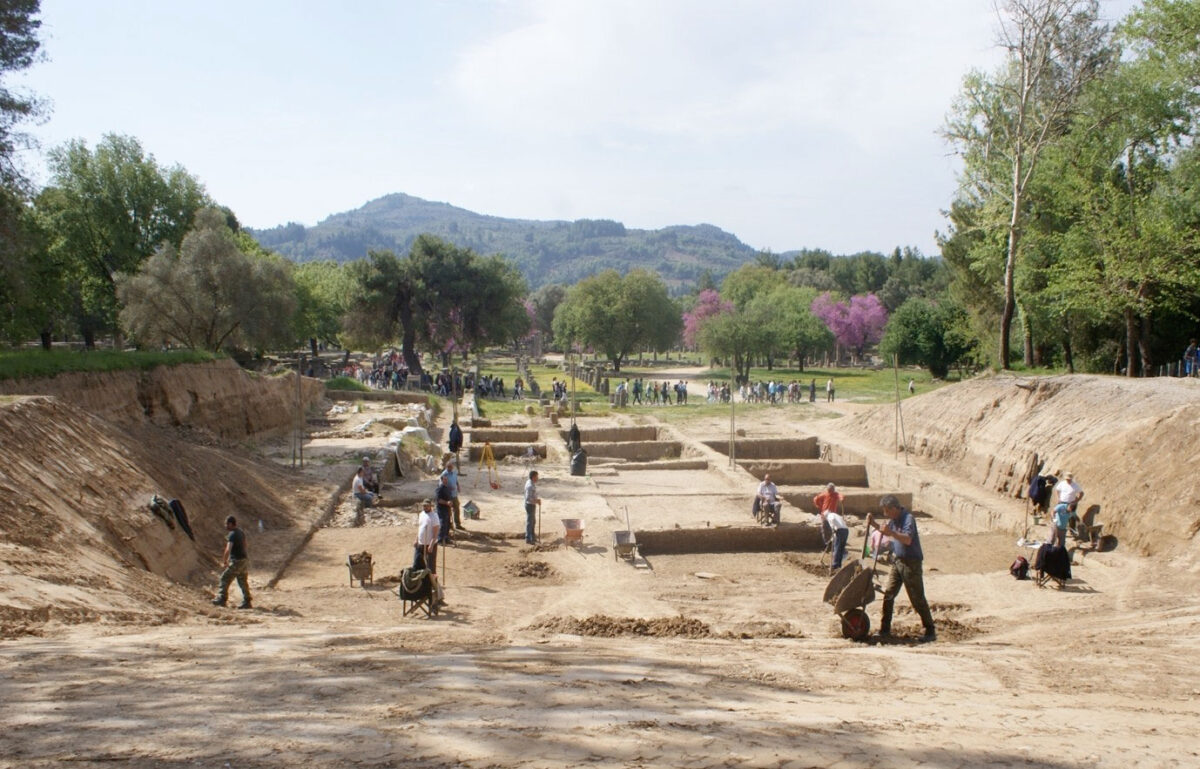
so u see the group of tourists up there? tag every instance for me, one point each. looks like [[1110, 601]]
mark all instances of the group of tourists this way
[[641, 392]]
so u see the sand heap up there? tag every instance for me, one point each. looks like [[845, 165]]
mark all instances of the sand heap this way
[[1133, 444]]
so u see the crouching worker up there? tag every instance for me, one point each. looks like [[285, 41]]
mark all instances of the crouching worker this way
[[360, 489], [833, 523], [907, 564]]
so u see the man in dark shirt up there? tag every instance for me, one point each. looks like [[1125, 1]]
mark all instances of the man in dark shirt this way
[[236, 564], [445, 509], [906, 566]]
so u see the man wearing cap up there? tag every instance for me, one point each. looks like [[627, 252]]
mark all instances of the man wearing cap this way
[[1068, 493], [425, 549], [829, 508]]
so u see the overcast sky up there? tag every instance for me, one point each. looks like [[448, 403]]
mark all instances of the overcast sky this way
[[795, 123]]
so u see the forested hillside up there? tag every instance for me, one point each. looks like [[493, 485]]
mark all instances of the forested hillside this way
[[545, 251]]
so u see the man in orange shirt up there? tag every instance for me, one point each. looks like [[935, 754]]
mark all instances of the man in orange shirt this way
[[829, 508]]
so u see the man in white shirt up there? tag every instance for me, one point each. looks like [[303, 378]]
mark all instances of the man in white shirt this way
[[532, 500], [360, 489], [768, 499], [425, 549], [1068, 493], [428, 526], [829, 509]]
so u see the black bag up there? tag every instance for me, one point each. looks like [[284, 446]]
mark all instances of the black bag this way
[[181, 516], [1019, 568]]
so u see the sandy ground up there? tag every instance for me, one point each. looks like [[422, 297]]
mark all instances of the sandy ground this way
[[559, 656]]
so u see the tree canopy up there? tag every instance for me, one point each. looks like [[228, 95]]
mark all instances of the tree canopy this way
[[618, 315], [209, 295], [438, 298]]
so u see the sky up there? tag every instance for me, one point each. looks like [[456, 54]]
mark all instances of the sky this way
[[789, 123]]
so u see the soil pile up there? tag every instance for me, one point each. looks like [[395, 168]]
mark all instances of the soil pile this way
[[1133, 444], [611, 627]]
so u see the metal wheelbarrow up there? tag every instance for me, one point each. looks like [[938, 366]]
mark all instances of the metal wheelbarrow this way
[[849, 591], [361, 568], [572, 531]]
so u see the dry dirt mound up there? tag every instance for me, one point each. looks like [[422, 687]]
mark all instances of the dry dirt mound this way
[[79, 541], [1133, 445], [611, 627]]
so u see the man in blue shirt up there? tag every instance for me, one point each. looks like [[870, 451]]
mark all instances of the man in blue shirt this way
[[906, 566]]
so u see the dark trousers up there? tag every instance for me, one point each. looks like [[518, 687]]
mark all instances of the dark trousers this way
[[444, 519], [906, 572], [839, 546], [421, 562], [530, 522]]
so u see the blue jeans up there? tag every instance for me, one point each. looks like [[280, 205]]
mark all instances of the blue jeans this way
[[530, 521], [839, 546]]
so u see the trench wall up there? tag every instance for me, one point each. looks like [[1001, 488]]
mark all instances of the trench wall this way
[[854, 502], [770, 448], [755, 539], [475, 452], [638, 451], [807, 471], [501, 435], [614, 434]]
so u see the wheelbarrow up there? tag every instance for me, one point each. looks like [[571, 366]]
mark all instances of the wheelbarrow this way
[[850, 589], [361, 568], [624, 545], [572, 531]]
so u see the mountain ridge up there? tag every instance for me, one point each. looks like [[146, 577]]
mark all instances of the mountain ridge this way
[[546, 251]]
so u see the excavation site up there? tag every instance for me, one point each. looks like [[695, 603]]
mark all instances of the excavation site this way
[[655, 621]]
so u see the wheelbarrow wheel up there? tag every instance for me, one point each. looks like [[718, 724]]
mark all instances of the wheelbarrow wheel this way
[[855, 625]]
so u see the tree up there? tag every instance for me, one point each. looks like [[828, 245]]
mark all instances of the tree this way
[[545, 301], [802, 332], [322, 292], [108, 211], [1003, 124], [735, 336], [927, 334], [618, 315], [441, 297], [854, 324], [1129, 252], [209, 294], [747, 282], [708, 304], [19, 49]]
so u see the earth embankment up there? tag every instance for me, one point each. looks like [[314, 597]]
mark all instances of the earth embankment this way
[[1133, 445], [218, 397]]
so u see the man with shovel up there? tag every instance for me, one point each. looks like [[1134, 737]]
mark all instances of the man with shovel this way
[[906, 566]]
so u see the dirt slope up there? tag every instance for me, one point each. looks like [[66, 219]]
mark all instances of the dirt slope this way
[[79, 541], [1134, 445]]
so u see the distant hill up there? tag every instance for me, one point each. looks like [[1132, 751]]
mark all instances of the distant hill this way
[[545, 251]]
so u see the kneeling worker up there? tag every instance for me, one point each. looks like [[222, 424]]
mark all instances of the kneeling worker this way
[[906, 566]]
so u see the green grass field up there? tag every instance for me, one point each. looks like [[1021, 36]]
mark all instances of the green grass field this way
[[23, 364]]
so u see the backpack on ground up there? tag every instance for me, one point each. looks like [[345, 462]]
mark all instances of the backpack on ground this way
[[1019, 568]]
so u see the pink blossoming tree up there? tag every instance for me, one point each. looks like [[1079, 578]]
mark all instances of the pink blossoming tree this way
[[854, 324], [708, 304]]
